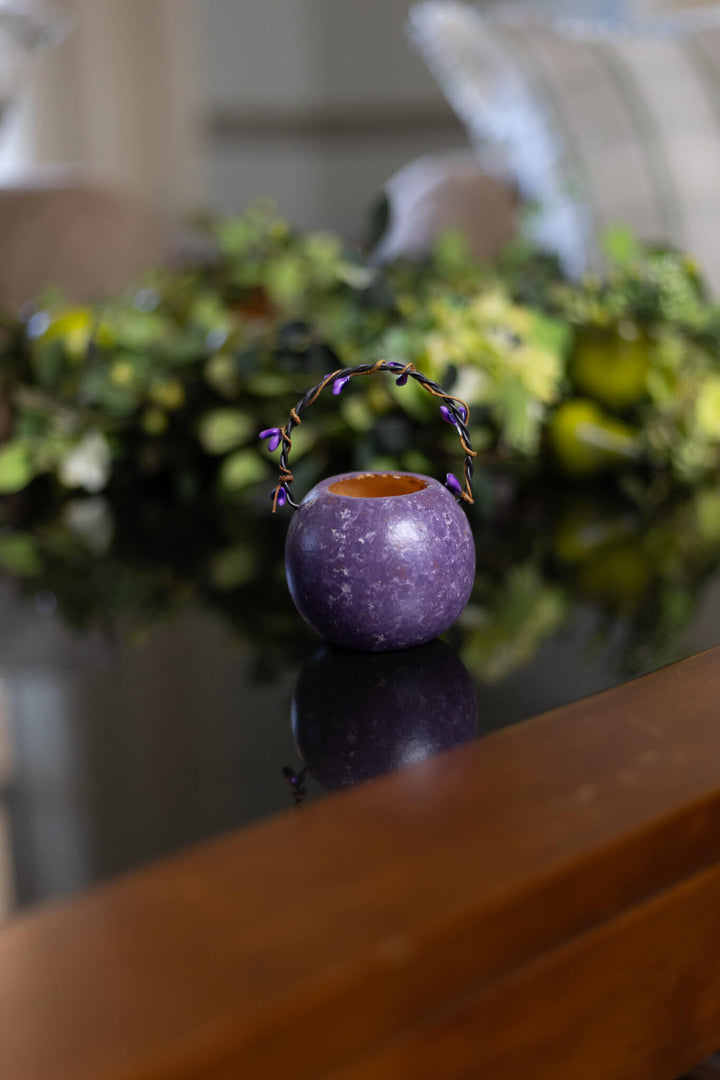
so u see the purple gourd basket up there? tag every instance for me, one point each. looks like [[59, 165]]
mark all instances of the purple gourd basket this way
[[378, 561]]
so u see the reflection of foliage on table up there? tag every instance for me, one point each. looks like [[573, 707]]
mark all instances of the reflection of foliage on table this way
[[639, 577], [172, 380], [133, 561]]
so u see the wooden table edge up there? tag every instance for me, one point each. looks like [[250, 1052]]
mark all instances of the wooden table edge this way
[[309, 939]]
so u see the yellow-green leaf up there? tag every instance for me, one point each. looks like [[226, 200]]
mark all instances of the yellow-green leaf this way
[[18, 554], [242, 469], [232, 567], [16, 468], [224, 429]]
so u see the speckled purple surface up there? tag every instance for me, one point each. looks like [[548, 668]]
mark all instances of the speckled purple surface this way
[[380, 573]]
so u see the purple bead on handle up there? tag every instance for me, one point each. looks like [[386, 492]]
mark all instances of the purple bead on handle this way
[[274, 437], [453, 484]]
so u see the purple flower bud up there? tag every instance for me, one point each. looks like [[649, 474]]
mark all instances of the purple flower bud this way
[[274, 442], [463, 413], [339, 385], [447, 415], [281, 496], [402, 379], [269, 432], [453, 484]]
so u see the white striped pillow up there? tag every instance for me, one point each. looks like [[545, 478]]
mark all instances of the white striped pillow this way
[[599, 124]]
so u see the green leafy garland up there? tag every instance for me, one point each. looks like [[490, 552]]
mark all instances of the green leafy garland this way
[[175, 377]]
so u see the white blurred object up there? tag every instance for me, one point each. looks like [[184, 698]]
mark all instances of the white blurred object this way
[[446, 191], [87, 465], [26, 28], [91, 522], [598, 122]]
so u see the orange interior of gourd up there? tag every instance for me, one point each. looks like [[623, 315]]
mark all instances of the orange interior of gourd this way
[[377, 485]]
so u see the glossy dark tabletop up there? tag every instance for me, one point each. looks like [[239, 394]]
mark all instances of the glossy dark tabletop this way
[[123, 737]]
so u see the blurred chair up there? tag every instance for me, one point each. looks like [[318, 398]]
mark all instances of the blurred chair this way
[[86, 240], [444, 191]]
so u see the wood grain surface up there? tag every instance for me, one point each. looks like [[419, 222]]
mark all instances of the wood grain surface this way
[[544, 902]]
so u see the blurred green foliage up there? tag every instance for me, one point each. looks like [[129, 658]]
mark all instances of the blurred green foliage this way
[[133, 422], [174, 377]]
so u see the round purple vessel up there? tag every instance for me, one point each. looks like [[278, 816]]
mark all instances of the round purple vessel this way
[[379, 561]]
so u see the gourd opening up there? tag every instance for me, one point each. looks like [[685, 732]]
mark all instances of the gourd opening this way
[[377, 485]]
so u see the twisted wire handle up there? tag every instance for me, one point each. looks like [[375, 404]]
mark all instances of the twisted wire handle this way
[[453, 410]]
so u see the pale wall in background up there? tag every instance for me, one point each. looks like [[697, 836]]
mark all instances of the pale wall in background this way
[[313, 102]]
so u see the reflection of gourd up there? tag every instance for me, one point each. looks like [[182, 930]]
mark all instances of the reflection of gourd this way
[[585, 440], [611, 367], [356, 715]]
